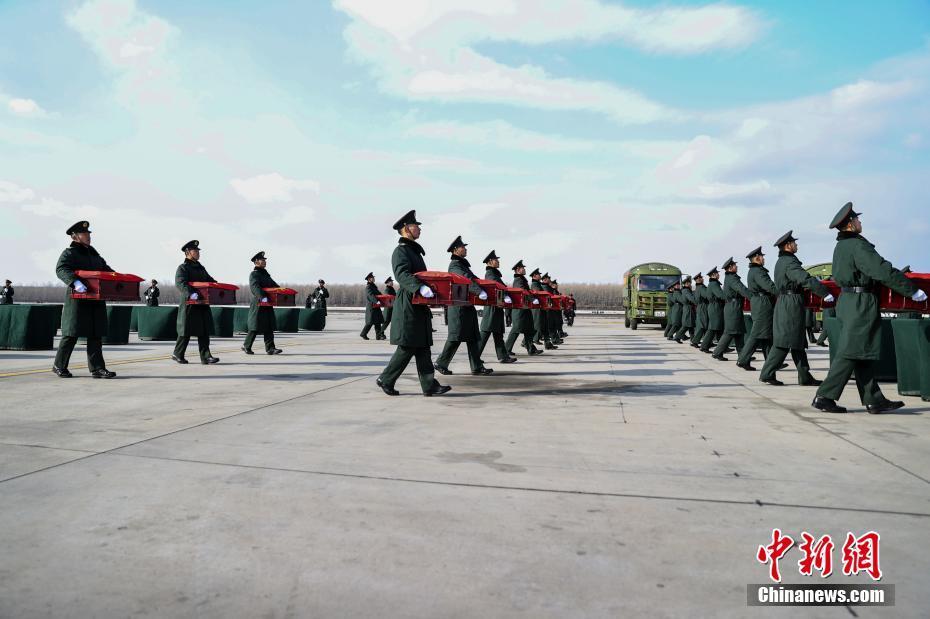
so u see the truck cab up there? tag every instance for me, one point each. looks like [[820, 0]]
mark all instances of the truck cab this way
[[645, 295]]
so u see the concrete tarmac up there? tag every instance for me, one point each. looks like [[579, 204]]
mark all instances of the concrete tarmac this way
[[619, 476]]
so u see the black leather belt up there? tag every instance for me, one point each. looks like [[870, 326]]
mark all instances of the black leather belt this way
[[856, 289]]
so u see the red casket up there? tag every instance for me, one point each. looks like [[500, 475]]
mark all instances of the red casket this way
[[889, 300], [545, 299], [213, 293], [448, 288], [279, 297], [495, 292], [108, 286], [816, 303], [519, 298], [384, 300], [558, 302]]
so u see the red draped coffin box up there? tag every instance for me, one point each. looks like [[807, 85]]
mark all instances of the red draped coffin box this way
[[891, 301], [519, 298], [213, 293], [495, 292], [384, 300], [448, 288], [545, 299], [108, 286], [816, 303], [557, 302], [280, 297]]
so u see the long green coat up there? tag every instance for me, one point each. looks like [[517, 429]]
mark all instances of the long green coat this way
[[735, 291], [687, 307], [261, 318], [715, 302], [192, 319], [521, 320], [700, 317], [80, 318], [791, 280], [538, 315], [389, 311], [553, 317], [411, 324], [373, 315], [856, 263], [317, 300], [492, 321], [762, 302], [463, 319]]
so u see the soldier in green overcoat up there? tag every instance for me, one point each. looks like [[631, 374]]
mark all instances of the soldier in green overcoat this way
[[492, 320], [193, 319], [81, 317], [827, 312], [674, 312], [788, 330], [261, 317], [540, 317], [700, 315], [715, 302], [559, 319], [317, 298], [521, 320], [688, 309], [388, 311], [411, 330], [857, 268], [151, 294], [762, 306], [373, 316], [550, 316], [734, 328], [463, 319]]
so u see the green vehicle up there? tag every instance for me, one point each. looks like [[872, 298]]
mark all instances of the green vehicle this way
[[645, 298], [824, 270]]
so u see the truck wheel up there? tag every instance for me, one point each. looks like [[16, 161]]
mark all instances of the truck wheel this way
[[633, 324]]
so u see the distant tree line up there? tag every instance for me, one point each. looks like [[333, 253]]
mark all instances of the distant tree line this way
[[588, 296]]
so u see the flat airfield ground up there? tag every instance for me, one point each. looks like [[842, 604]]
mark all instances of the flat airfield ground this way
[[621, 475]]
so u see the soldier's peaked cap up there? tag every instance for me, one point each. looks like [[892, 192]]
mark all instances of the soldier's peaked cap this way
[[672, 286], [388, 280], [712, 271], [698, 276], [259, 256], [81, 226], [726, 265], [490, 257], [408, 219], [518, 265], [787, 237], [458, 242], [195, 244], [545, 275], [369, 276], [843, 215], [535, 272], [686, 279], [756, 252]]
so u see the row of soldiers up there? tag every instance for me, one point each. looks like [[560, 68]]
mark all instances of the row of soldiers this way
[[713, 312]]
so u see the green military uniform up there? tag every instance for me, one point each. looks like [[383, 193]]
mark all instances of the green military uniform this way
[[80, 317], [462, 319], [6, 295], [540, 318], [521, 319], [492, 320], [788, 330], [151, 295], [373, 316], [410, 328], [762, 306], [857, 268], [388, 311], [674, 312], [550, 316], [317, 299], [557, 321], [193, 320], [827, 312], [715, 302], [734, 328], [261, 317], [700, 314], [687, 303]]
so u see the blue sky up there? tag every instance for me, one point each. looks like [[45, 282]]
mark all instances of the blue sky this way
[[582, 136]]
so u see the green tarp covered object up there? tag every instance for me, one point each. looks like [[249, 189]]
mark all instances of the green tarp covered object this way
[[286, 318], [311, 319], [158, 323], [241, 319], [27, 326], [887, 368], [134, 319], [223, 320], [911, 365]]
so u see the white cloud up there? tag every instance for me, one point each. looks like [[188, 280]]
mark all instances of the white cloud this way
[[120, 33], [25, 107], [499, 134], [271, 187], [11, 192]]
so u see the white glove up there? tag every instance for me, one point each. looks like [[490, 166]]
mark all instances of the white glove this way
[[535, 301], [79, 286], [829, 298], [919, 296], [426, 292], [508, 300], [264, 299], [194, 296], [483, 296]]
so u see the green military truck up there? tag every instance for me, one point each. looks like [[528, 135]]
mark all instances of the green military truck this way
[[824, 270], [645, 296]]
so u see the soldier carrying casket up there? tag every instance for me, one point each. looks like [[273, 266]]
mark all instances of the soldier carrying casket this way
[[193, 319], [261, 317]]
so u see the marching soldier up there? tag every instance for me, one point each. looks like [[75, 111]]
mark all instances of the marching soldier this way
[[827, 312], [700, 316], [151, 294], [762, 306], [373, 316], [6, 296], [193, 319], [788, 321], [550, 316], [569, 311], [411, 331], [809, 320], [715, 302], [674, 311], [463, 319], [317, 299], [687, 303], [540, 318], [492, 321], [81, 317], [557, 314], [522, 319], [734, 328], [261, 317], [388, 311], [856, 268]]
